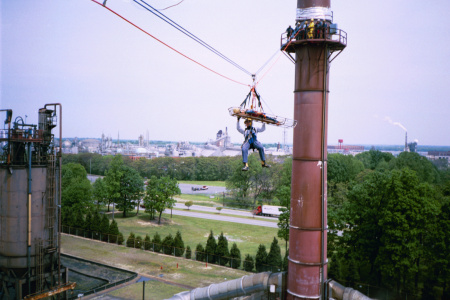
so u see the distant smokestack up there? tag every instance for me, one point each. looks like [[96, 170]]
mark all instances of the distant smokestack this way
[[406, 142]]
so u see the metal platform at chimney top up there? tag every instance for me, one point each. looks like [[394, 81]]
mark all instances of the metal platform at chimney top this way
[[335, 42]]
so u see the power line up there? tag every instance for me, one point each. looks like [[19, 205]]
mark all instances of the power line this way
[[131, 23], [189, 34]]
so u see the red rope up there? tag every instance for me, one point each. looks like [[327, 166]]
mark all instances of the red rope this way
[[168, 45], [290, 41]]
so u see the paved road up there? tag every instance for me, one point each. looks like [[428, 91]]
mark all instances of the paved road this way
[[187, 189], [217, 217], [223, 211]]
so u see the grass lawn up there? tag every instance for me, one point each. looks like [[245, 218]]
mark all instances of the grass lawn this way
[[153, 290], [189, 272], [207, 183], [200, 199], [194, 231], [267, 219]]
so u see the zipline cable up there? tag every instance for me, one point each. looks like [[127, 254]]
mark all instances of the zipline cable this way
[[188, 33], [131, 23], [171, 6], [265, 64]]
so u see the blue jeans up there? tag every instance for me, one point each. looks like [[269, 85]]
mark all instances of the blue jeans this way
[[255, 145]]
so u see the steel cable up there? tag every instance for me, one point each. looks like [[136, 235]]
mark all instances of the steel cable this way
[[131, 23], [189, 34]]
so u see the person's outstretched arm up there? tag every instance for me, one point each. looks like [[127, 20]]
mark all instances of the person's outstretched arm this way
[[263, 127], [238, 127]]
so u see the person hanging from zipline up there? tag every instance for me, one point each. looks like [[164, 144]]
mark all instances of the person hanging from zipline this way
[[251, 142]]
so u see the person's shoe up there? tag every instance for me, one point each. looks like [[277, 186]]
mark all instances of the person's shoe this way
[[245, 168], [264, 165]]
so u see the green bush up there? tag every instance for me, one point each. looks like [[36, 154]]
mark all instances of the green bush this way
[[113, 232], [168, 245], [210, 248], [138, 242], [188, 252], [222, 252], [261, 259], [235, 255], [200, 253], [120, 239], [178, 244], [131, 240], [147, 242], [157, 242], [248, 263]]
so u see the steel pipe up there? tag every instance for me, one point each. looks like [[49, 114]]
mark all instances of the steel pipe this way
[[244, 286]]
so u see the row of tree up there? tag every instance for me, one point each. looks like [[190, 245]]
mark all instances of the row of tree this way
[[182, 168], [169, 245], [91, 225]]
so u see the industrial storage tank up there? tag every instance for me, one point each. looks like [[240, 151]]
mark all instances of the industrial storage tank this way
[[14, 215], [30, 164]]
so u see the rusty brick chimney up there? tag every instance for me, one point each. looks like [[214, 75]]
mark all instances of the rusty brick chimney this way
[[307, 271]]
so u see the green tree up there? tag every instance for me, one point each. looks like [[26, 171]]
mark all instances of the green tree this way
[[168, 245], [104, 228], [222, 252], [76, 188], [343, 168], [261, 259], [178, 244], [157, 243], [131, 190], [96, 225], [188, 204], [131, 240], [371, 159], [200, 253], [219, 208], [384, 219], [100, 192], [160, 194], [88, 224], [424, 168], [120, 239], [274, 256], [284, 196], [113, 232], [249, 263], [147, 242], [151, 197], [210, 248], [138, 242], [235, 257], [79, 221], [113, 179], [188, 252], [285, 261]]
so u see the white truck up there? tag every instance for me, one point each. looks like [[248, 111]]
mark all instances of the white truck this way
[[268, 210]]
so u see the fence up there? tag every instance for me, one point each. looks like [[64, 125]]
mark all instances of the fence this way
[[139, 243]]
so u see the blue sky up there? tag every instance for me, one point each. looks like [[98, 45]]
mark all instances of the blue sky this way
[[111, 77]]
